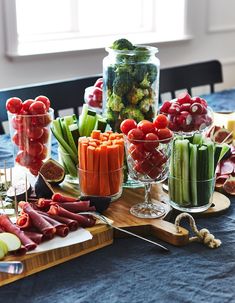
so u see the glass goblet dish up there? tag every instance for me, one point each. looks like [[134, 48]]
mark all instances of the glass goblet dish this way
[[148, 162]]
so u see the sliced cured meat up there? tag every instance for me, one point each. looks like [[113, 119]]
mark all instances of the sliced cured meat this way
[[226, 167], [43, 203], [38, 221], [8, 226], [35, 236], [78, 206], [61, 198], [72, 224], [20, 252], [23, 221], [61, 228], [83, 221]]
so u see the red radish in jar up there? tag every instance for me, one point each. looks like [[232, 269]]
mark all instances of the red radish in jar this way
[[184, 98], [185, 107], [196, 109], [174, 109], [195, 100], [165, 106], [185, 118]]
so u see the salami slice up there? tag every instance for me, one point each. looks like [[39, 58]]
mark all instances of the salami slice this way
[[43, 203], [35, 236], [8, 226], [61, 228], [78, 206], [72, 224], [38, 221], [20, 252], [82, 220], [23, 221]]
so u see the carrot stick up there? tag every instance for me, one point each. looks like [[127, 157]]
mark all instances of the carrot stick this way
[[90, 170], [83, 166], [114, 174], [96, 176], [104, 180], [96, 134]]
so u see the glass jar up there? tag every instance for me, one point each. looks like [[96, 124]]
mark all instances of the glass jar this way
[[130, 85]]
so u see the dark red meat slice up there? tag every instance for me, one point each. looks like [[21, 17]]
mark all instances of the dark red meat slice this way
[[61, 198], [38, 221], [43, 203], [83, 221], [23, 221], [8, 226], [76, 207], [35, 236], [61, 228]]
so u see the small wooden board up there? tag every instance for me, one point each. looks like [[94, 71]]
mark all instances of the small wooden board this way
[[36, 262]]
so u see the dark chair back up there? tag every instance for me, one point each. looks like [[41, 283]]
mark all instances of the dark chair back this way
[[62, 94], [189, 76]]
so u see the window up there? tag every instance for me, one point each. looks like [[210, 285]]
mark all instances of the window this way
[[42, 26]]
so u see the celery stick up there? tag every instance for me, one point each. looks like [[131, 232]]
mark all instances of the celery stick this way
[[90, 125], [185, 171], [211, 151], [171, 178], [193, 173], [63, 129], [74, 131]]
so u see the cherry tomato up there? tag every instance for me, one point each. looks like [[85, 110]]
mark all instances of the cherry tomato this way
[[137, 152], [146, 126], [164, 133], [26, 104], [17, 123], [37, 108], [34, 132], [14, 105], [127, 125], [44, 100], [45, 136], [155, 172], [151, 142], [34, 148], [160, 121], [135, 134], [145, 166], [42, 121], [43, 155]]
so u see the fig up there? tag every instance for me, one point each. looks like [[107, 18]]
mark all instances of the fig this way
[[222, 136], [229, 185], [43, 188], [52, 171]]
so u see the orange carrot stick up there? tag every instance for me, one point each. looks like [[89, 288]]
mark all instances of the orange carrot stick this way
[[104, 180], [90, 170], [96, 134], [114, 174]]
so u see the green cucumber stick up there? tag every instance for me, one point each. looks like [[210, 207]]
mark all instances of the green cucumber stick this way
[[90, 124], [185, 171], [211, 152], [68, 120], [178, 173], [82, 120], [172, 174], [63, 129], [193, 172], [64, 144], [197, 139], [202, 175]]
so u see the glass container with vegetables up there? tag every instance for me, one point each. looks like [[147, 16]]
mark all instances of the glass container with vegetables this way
[[130, 83], [192, 172]]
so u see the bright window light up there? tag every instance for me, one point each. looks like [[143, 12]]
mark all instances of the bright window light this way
[[45, 26]]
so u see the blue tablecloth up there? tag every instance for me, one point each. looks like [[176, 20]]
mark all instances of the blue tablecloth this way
[[131, 270], [223, 101]]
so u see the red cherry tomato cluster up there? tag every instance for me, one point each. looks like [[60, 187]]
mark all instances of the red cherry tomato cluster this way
[[186, 114], [147, 143], [30, 121], [94, 98]]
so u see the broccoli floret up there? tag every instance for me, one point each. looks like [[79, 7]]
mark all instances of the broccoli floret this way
[[152, 72], [132, 113], [123, 81], [142, 54], [122, 44], [135, 95], [139, 72], [146, 104], [145, 83], [110, 75], [115, 103]]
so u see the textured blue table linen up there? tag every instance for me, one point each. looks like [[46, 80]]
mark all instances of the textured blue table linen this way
[[133, 271]]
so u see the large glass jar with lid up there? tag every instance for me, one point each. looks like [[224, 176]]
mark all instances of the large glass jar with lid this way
[[131, 84]]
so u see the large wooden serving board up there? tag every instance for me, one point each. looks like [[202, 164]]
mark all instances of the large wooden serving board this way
[[119, 212]]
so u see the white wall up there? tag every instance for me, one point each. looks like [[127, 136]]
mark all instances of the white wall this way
[[213, 37]]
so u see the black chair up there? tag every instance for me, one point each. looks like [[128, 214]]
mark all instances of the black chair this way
[[62, 94], [189, 76]]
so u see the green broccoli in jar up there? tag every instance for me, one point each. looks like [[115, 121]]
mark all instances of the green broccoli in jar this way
[[131, 112], [146, 104], [122, 44], [136, 94], [115, 102]]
